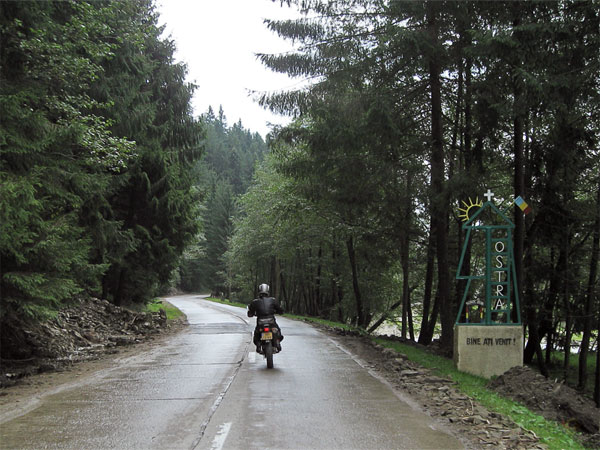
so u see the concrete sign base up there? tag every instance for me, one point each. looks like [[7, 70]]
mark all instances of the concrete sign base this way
[[487, 351]]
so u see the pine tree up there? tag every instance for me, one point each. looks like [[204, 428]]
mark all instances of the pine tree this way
[[91, 102], [223, 174], [155, 199], [56, 154]]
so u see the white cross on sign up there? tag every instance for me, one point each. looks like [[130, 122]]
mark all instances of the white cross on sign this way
[[489, 194]]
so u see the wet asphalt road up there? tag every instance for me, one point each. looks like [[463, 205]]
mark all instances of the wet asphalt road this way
[[207, 389]]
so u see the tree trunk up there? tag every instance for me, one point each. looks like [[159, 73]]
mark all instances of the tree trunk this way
[[533, 346], [355, 286], [273, 277], [568, 339], [534, 341], [550, 344], [589, 300], [404, 257], [404, 309], [425, 336], [597, 385], [434, 316], [292, 301], [256, 281], [439, 207], [455, 151], [567, 305], [411, 326], [383, 317], [461, 285], [283, 296], [318, 298], [336, 289], [519, 190], [407, 319], [468, 115]]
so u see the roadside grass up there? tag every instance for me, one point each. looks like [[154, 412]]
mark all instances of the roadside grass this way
[[226, 302], [328, 323], [157, 303]]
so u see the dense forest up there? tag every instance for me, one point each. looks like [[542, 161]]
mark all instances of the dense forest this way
[[223, 173], [109, 186], [98, 147], [413, 108]]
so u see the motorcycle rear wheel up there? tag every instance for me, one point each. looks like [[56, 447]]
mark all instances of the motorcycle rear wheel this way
[[269, 354]]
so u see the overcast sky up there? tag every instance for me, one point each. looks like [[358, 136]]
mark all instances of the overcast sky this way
[[218, 40]]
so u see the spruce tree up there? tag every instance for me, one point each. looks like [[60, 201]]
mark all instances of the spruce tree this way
[[56, 153]]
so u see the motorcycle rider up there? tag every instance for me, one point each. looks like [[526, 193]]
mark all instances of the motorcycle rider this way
[[264, 307]]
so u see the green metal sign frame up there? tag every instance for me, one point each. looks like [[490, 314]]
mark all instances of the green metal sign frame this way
[[499, 260]]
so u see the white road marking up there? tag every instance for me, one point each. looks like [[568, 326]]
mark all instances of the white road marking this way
[[219, 440]]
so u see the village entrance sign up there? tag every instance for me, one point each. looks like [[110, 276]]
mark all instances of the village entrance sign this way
[[488, 336]]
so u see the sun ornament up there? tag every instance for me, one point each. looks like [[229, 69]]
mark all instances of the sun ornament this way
[[468, 207]]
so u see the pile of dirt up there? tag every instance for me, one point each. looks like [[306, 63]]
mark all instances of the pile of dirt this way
[[83, 331], [550, 399]]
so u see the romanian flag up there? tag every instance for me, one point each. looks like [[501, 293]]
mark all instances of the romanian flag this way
[[524, 206]]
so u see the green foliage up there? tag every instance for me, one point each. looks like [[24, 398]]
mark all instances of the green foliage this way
[[91, 104], [376, 167], [276, 221], [224, 173], [232, 152], [50, 148]]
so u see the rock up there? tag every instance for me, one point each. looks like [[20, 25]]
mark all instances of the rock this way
[[477, 419], [457, 396], [389, 352], [161, 317], [409, 373], [433, 379], [92, 337]]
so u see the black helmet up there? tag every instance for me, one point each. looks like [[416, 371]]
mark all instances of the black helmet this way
[[263, 289]]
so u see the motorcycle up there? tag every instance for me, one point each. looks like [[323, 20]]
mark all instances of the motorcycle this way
[[269, 339]]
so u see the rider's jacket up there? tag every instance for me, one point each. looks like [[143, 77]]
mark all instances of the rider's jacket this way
[[264, 307]]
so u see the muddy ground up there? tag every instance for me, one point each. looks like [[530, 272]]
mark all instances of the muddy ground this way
[[93, 334]]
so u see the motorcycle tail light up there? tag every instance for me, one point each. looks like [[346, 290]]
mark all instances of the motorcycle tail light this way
[[266, 329]]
